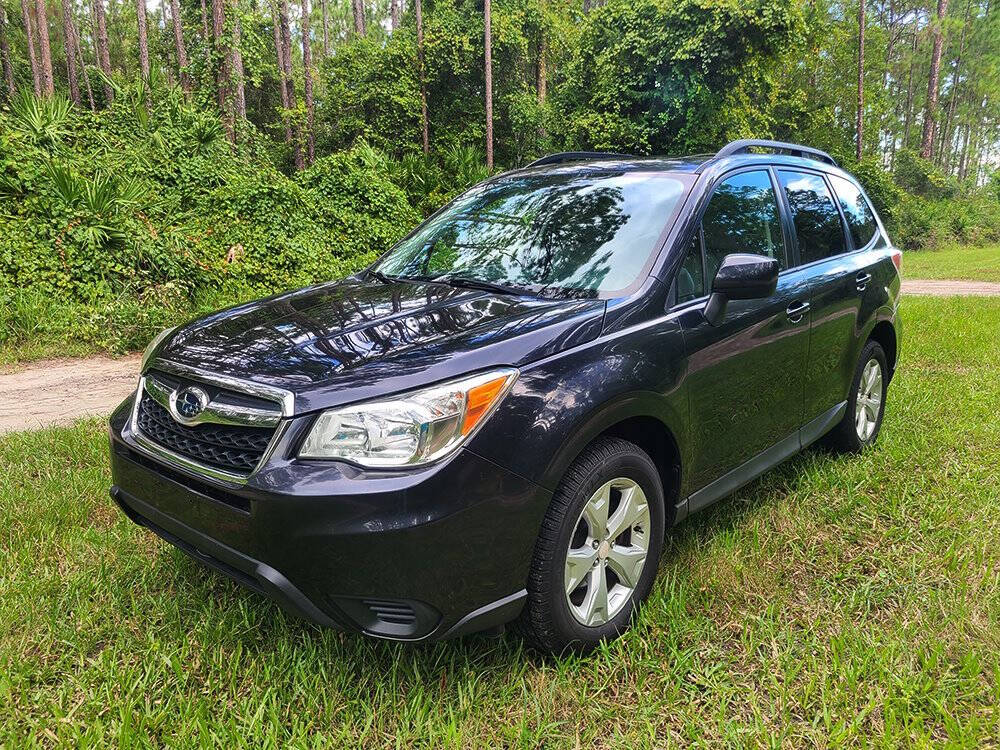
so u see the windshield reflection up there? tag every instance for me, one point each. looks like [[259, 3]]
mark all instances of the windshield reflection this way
[[566, 232]]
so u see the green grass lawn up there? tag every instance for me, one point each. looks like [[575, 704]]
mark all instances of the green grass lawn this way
[[954, 262], [835, 601]]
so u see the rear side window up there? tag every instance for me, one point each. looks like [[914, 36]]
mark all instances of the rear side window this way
[[742, 217], [817, 220], [859, 215]]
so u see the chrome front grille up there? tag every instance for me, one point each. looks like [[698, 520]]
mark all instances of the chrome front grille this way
[[227, 447], [227, 436]]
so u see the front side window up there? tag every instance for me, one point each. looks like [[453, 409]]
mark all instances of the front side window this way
[[690, 284], [584, 233], [816, 218], [742, 217], [859, 215]]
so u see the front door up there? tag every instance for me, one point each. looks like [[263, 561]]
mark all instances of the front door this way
[[744, 375]]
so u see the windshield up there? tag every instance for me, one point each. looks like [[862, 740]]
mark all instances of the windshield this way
[[583, 232]]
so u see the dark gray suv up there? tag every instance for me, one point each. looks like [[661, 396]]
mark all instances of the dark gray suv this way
[[498, 420]]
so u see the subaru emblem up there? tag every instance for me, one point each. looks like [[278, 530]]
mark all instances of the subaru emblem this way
[[188, 403]]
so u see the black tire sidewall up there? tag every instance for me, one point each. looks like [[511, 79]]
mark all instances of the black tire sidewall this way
[[634, 465], [871, 351]]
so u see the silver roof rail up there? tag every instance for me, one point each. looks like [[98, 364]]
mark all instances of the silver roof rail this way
[[793, 149]]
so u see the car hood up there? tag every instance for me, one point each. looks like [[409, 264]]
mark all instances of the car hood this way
[[352, 340]]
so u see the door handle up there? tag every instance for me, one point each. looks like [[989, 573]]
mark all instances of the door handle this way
[[796, 311], [862, 280]]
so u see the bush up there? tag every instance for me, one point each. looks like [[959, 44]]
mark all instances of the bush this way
[[112, 224], [926, 223]]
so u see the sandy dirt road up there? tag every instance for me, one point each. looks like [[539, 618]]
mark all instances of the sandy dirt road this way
[[55, 392], [951, 288]]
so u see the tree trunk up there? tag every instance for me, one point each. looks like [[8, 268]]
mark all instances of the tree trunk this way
[[70, 43], [279, 52], [239, 84], [859, 131], [220, 61], [308, 84], [44, 50], [286, 52], [83, 71], [8, 71], [489, 84], [358, 8], [394, 11], [909, 94], [103, 53], [180, 48], [930, 111], [29, 33], [956, 82], [140, 8], [418, 11], [542, 83], [205, 31], [326, 28]]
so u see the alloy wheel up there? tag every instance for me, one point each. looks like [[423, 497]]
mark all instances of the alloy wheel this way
[[868, 403], [607, 552]]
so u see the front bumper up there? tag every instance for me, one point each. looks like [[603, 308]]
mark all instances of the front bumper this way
[[418, 555]]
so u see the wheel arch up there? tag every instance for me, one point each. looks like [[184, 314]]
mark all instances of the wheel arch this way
[[642, 419], [884, 333]]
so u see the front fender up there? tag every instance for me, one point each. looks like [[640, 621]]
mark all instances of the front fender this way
[[560, 405]]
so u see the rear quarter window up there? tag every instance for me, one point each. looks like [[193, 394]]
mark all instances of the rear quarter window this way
[[859, 214]]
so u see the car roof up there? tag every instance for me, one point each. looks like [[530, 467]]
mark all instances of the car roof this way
[[733, 154]]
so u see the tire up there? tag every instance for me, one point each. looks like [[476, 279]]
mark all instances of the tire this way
[[552, 620], [848, 436]]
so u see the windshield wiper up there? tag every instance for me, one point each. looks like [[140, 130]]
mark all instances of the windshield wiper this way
[[379, 276], [487, 286]]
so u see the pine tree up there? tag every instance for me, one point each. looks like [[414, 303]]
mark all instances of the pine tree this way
[[44, 49], [29, 33], [930, 110]]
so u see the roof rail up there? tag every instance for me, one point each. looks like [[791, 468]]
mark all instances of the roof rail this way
[[564, 156], [793, 149]]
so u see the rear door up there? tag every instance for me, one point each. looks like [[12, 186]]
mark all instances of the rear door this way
[[838, 277], [744, 374]]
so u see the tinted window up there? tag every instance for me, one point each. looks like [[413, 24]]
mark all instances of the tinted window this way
[[817, 220], [592, 232], [860, 217], [742, 217], [690, 278]]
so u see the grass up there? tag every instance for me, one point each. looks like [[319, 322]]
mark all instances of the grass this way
[[836, 601], [954, 262]]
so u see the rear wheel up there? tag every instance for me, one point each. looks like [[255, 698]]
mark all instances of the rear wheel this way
[[865, 405], [598, 550]]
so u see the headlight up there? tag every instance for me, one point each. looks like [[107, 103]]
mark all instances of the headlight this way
[[411, 428], [157, 340]]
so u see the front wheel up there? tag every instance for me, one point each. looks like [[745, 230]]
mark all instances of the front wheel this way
[[865, 405], [598, 550]]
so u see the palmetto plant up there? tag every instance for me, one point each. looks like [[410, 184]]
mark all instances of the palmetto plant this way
[[44, 121], [100, 205]]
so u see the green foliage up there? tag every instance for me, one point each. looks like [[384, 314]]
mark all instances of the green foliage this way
[[112, 223], [933, 222], [921, 177], [651, 76]]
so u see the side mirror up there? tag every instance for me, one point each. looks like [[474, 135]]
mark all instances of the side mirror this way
[[741, 276]]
